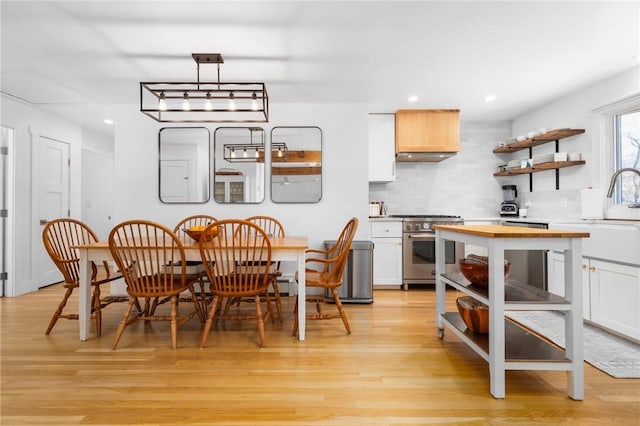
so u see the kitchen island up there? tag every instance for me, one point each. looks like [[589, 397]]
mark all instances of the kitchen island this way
[[508, 346]]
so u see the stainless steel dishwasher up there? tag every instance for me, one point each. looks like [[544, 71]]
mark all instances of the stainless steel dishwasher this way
[[528, 266]]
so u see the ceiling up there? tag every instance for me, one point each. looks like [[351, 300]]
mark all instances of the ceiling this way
[[77, 59]]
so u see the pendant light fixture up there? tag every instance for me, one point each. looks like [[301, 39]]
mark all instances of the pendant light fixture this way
[[205, 101]]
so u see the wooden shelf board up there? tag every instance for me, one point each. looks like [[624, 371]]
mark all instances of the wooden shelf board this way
[[520, 344], [552, 165], [550, 136]]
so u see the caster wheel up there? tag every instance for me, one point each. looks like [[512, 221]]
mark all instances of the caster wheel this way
[[440, 333]]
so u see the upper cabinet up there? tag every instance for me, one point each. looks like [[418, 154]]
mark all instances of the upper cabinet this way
[[382, 154], [434, 132]]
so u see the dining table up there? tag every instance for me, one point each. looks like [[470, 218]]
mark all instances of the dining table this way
[[288, 248]]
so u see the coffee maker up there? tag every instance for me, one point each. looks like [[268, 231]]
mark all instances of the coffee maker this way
[[509, 207]]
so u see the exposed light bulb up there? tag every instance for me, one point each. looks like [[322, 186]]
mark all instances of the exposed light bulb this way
[[162, 103], [232, 102], [233, 153], [186, 106], [207, 103], [257, 154], [254, 102], [245, 154], [280, 152]]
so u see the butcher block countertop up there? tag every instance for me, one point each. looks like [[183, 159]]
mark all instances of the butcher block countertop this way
[[498, 231]]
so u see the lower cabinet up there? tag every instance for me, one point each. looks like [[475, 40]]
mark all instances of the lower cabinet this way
[[611, 292], [387, 253]]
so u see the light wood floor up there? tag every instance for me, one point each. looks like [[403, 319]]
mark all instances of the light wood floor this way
[[393, 370]]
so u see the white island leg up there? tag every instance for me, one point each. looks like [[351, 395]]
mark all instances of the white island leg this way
[[496, 318]]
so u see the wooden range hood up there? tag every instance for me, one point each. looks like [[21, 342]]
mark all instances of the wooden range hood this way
[[427, 135]]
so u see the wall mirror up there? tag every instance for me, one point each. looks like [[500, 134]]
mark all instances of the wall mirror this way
[[296, 164], [185, 161], [239, 165]]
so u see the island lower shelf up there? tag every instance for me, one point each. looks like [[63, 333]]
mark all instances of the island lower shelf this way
[[517, 296], [523, 349]]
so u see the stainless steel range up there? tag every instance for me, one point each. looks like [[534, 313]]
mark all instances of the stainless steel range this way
[[419, 248]]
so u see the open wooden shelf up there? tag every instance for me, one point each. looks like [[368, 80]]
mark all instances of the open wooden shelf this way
[[552, 165], [550, 136]]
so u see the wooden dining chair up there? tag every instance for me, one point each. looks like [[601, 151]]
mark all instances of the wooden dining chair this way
[[186, 223], [58, 237], [146, 253], [328, 276], [238, 242], [273, 228]]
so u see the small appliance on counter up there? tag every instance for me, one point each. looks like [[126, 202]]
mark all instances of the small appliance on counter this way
[[509, 206], [377, 208]]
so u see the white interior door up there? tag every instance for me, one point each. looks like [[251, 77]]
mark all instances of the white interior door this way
[[6, 196], [97, 192], [53, 199], [176, 181]]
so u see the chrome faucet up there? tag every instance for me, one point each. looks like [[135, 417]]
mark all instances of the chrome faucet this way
[[612, 184]]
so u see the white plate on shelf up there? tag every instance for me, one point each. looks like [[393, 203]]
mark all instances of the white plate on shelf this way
[[542, 158]]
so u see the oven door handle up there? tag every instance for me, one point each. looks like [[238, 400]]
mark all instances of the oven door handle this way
[[423, 236]]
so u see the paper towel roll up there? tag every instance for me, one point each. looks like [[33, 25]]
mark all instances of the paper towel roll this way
[[591, 203]]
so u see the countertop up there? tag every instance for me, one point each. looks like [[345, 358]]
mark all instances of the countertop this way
[[498, 231]]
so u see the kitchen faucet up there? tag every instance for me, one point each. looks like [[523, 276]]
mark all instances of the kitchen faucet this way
[[613, 183]]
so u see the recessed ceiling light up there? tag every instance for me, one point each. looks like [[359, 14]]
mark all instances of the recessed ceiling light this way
[[490, 98], [108, 121], [636, 58], [413, 98]]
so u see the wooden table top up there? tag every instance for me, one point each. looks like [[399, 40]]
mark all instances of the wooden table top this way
[[499, 231], [293, 242]]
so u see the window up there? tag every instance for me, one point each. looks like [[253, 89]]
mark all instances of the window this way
[[627, 154]]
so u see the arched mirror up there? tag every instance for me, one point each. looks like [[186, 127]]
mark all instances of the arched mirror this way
[[296, 164], [184, 164], [239, 165]]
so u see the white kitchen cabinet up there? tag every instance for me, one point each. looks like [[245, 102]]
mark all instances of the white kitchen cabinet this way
[[382, 142], [555, 280], [611, 292], [387, 253]]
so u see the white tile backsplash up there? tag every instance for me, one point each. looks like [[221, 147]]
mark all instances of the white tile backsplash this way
[[462, 185]]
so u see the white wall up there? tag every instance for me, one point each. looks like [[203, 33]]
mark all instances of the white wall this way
[[344, 178], [27, 122], [575, 110], [461, 185]]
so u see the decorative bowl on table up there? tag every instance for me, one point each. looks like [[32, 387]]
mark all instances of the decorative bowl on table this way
[[476, 269], [475, 314], [197, 232]]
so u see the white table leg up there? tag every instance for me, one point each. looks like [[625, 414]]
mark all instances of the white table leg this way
[[84, 297], [496, 318], [302, 295]]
